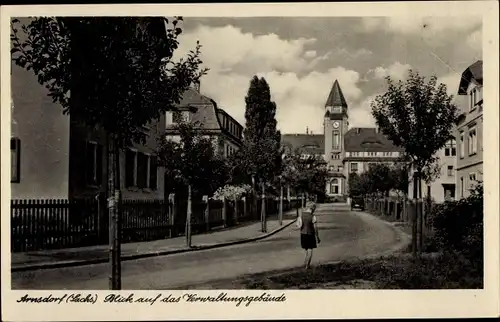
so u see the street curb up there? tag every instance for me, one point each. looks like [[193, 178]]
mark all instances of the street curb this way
[[24, 268]]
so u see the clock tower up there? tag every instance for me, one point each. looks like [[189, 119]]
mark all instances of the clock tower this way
[[335, 126]]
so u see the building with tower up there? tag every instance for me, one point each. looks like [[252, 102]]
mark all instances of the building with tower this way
[[344, 149]]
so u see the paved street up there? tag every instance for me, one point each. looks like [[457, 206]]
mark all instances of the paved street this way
[[344, 234]]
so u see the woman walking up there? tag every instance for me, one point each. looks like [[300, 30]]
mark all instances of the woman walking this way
[[309, 234]]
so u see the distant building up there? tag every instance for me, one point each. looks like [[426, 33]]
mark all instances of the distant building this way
[[469, 129], [443, 186], [213, 122], [344, 150], [53, 156]]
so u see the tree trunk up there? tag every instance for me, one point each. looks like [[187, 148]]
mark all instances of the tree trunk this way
[[414, 217], [263, 210], [281, 206], [114, 199], [188, 218]]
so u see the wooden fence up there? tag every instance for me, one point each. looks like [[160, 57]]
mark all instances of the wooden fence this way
[[56, 224], [404, 212]]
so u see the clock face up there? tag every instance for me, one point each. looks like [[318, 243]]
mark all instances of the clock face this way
[[336, 124]]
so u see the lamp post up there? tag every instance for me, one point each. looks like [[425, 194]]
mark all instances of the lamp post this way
[[281, 201]]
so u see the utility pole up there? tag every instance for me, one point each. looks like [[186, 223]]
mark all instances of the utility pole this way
[[114, 222]]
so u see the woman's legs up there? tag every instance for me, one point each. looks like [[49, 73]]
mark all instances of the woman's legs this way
[[310, 258], [307, 260]]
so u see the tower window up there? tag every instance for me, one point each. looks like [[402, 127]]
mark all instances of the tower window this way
[[336, 139]]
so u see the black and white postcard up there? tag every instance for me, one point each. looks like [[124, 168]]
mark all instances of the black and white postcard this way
[[300, 160]]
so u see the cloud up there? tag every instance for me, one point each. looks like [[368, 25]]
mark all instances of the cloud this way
[[300, 92], [360, 114], [229, 48], [412, 24], [396, 71], [310, 53], [452, 81], [475, 40]]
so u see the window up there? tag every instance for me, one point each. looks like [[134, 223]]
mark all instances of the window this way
[[354, 167], [371, 164], [335, 187], [472, 99], [141, 170], [450, 148], [450, 171], [462, 145], [336, 140], [462, 187], [479, 94], [472, 180], [387, 154], [472, 141], [335, 156], [372, 154], [15, 160], [93, 164], [354, 154], [180, 116]]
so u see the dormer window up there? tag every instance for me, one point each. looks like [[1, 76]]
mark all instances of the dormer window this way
[[180, 117]]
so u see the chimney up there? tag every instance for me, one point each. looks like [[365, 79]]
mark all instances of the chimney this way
[[377, 130], [307, 130], [358, 130]]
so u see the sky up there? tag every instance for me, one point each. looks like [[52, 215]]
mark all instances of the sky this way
[[301, 57]]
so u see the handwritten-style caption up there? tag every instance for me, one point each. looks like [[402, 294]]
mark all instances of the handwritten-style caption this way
[[115, 298]]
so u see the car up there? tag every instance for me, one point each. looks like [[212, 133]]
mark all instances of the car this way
[[357, 202]]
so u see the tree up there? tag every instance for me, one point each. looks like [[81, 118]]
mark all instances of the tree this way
[[417, 116], [109, 73], [306, 175], [261, 143], [399, 177], [192, 162]]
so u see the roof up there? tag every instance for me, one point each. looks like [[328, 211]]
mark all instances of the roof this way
[[366, 139], [473, 72], [192, 97], [336, 97], [306, 143]]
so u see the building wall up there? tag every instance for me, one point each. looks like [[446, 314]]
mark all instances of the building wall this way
[[80, 187], [43, 133], [470, 163], [445, 181]]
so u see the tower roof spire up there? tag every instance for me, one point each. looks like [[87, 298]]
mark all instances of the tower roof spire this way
[[336, 97]]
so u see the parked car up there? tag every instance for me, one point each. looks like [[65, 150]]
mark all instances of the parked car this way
[[358, 202]]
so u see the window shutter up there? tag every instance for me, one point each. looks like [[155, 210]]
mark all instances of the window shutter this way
[[141, 170], [153, 173], [129, 168], [15, 150], [89, 163], [99, 165]]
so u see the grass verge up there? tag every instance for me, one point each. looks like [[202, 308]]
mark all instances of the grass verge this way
[[401, 271]]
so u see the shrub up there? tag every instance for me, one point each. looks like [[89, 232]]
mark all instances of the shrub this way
[[458, 224]]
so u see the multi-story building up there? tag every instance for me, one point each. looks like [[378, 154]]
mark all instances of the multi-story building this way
[[442, 188], [344, 150], [469, 129], [53, 156], [212, 122]]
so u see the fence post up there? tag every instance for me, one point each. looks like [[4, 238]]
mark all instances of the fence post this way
[[171, 214], [206, 212], [245, 210], [224, 212], [236, 211]]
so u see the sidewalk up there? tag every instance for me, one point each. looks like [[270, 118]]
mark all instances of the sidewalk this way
[[100, 253]]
